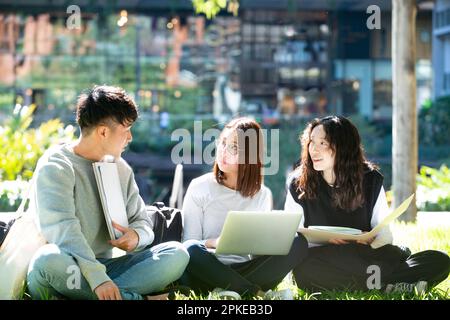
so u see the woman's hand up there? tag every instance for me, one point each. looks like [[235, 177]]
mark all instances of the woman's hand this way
[[211, 243], [338, 241], [366, 242]]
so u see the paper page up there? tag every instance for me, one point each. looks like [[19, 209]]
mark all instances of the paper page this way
[[321, 236], [394, 215]]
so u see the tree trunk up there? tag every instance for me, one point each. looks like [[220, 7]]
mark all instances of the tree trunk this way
[[404, 118]]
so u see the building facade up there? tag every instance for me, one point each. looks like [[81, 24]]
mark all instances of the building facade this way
[[441, 48], [290, 57]]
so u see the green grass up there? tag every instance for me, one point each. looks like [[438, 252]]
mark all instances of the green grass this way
[[419, 238], [416, 238]]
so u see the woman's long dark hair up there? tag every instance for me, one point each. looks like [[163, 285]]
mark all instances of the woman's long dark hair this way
[[349, 163]]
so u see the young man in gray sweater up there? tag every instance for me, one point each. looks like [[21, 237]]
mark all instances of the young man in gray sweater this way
[[77, 262]]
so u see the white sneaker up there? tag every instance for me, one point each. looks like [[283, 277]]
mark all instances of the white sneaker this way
[[221, 294], [285, 294], [402, 287]]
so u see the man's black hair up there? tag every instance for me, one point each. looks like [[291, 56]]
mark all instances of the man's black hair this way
[[103, 104]]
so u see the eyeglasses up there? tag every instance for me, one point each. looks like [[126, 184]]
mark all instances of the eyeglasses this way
[[231, 148]]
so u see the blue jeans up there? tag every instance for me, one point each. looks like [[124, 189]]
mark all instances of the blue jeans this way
[[205, 272], [136, 274]]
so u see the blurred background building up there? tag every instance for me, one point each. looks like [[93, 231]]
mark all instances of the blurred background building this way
[[441, 48], [295, 57], [283, 62]]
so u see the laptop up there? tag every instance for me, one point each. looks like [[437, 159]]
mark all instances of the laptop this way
[[258, 232]]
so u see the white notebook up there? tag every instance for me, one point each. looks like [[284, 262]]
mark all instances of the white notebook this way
[[108, 183], [321, 234]]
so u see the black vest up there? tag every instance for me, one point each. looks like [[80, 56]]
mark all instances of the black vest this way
[[321, 212]]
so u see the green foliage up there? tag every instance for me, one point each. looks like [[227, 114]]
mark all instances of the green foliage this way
[[212, 7], [11, 194], [181, 106], [434, 123], [149, 136], [6, 99], [433, 189], [415, 237], [21, 146]]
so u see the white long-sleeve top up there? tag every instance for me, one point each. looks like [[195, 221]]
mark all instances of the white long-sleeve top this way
[[206, 205]]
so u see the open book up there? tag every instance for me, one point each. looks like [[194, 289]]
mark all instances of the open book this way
[[108, 183], [321, 234]]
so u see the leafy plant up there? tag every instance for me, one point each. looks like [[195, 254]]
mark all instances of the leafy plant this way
[[433, 189], [21, 146], [212, 7], [11, 194], [434, 122]]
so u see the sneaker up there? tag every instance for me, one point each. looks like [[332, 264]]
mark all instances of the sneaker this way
[[221, 294], [285, 294], [402, 287]]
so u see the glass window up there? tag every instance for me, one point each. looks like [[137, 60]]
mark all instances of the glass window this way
[[260, 33], [247, 32], [275, 34]]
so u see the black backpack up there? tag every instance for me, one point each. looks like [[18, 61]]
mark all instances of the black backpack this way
[[4, 229], [167, 223]]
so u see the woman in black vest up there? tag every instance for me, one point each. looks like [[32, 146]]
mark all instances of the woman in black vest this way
[[334, 185]]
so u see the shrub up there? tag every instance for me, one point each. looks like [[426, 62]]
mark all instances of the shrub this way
[[433, 189], [434, 122], [21, 146], [11, 194], [20, 149]]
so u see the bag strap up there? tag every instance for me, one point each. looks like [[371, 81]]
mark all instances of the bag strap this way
[[21, 210]]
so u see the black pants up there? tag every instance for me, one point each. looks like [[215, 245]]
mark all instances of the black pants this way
[[205, 272], [345, 267]]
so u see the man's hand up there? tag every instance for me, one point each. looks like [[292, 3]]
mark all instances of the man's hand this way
[[128, 241], [108, 291]]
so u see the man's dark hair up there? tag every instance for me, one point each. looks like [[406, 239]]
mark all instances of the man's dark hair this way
[[103, 104]]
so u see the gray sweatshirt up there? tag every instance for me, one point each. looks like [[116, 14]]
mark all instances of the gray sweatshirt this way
[[68, 209]]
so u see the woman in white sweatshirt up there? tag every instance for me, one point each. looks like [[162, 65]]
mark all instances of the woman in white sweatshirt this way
[[236, 183]]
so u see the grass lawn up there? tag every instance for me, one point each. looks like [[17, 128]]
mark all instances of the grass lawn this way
[[416, 237]]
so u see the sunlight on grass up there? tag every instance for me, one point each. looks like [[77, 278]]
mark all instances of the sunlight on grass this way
[[419, 238], [416, 238]]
